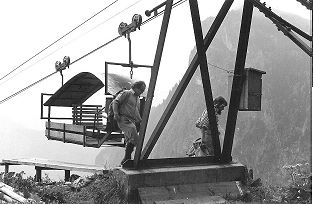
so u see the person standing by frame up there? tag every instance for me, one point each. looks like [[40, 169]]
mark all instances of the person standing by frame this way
[[126, 113], [206, 143]]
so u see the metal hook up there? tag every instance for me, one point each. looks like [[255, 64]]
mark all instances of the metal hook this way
[[131, 73]]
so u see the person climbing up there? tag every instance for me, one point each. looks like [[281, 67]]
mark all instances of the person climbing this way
[[204, 147], [126, 113]]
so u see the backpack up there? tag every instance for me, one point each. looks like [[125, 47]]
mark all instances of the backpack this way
[[111, 122]]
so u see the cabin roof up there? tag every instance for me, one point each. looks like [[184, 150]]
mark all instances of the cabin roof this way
[[75, 91], [83, 85]]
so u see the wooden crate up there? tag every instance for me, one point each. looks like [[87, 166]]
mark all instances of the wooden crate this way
[[250, 99]]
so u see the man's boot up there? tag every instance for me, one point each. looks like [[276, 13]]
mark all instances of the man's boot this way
[[128, 152]]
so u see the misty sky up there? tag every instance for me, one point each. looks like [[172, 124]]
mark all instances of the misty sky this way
[[29, 26]]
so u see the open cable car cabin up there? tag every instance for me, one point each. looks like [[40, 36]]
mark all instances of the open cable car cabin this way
[[87, 126]]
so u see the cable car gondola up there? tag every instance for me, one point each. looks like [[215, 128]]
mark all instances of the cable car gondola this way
[[88, 122]]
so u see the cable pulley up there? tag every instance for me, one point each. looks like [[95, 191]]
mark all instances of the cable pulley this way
[[137, 20], [124, 28], [59, 66]]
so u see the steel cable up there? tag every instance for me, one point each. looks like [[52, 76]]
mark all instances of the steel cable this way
[[58, 40], [70, 42], [107, 43]]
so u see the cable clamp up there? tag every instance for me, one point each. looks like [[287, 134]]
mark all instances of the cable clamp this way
[[59, 66], [124, 28]]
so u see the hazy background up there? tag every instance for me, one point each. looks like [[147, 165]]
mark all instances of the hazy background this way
[[27, 27]]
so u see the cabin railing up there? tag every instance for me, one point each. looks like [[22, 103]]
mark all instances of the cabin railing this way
[[88, 115], [49, 110]]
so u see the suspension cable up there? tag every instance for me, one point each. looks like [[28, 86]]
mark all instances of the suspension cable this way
[[161, 12], [223, 69], [105, 44], [175, 5], [58, 39], [96, 49], [29, 86], [46, 77], [70, 42]]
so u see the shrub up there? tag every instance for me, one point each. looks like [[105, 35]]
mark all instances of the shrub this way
[[16, 180]]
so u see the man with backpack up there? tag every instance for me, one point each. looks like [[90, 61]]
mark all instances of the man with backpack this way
[[126, 113], [204, 146]]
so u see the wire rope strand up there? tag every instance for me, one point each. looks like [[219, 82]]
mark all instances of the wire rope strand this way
[[46, 77], [105, 44], [67, 43], [175, 5], [96, 49], [161, 12], [29, 86], [58, 40], [226, 70]]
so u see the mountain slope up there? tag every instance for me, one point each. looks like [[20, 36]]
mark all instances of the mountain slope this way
[[267, 140]]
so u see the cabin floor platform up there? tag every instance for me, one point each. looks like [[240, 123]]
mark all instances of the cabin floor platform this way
[[181, 182], [80, 135]]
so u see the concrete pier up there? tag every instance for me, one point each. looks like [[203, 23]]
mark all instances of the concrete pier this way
[[139, 183]]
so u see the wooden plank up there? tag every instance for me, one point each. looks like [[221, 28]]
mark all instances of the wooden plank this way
[[72, 138], [86, 112], [86, 109], [79, 139], [11, 193], [117, 144], [114, 140], [91, 144], [68, 127], [44, 163], [115, 136], [72, 128], [90, 140], [89, 123], [89, 106], [88, 118], [98, 127], [69, 137]]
